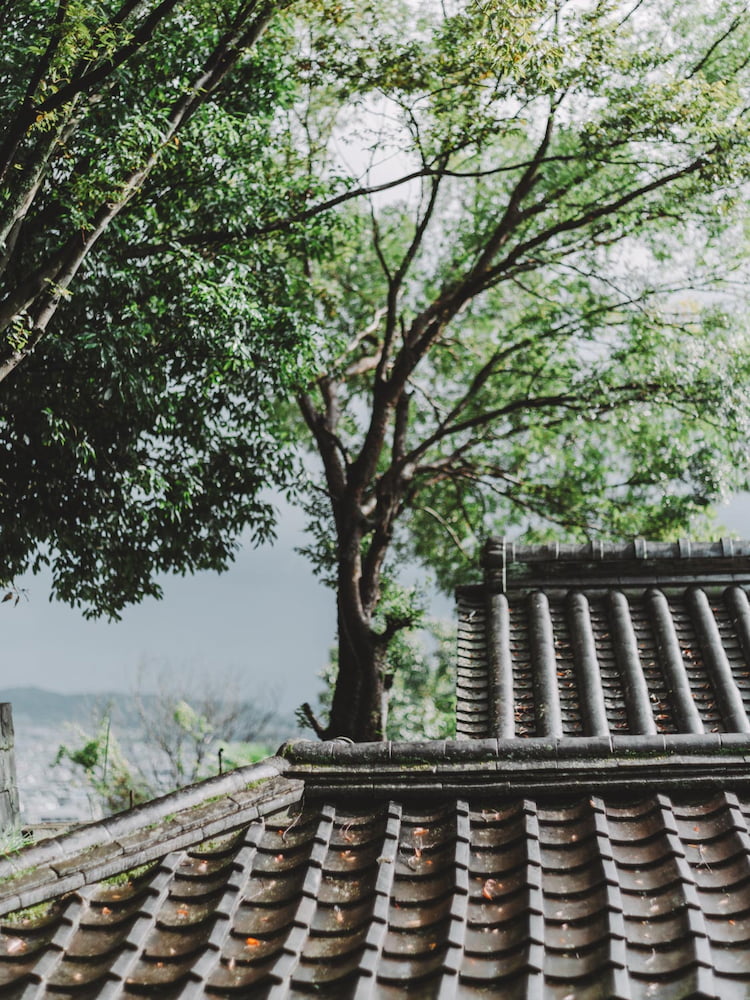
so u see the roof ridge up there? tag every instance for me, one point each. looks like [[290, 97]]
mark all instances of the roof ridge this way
[[497, 550], [413, 753], [534, 766]]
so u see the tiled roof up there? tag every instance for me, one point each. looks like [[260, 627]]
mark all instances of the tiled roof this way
[[591, 640], [359, 896], [594, 844]]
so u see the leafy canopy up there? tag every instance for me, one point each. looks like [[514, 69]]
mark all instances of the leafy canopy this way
[[543, 331], [141, 434]]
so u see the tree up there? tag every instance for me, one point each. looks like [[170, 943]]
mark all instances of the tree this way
[[137, 407], [189, 718], [517, 342], [494, 247], [420, 685]]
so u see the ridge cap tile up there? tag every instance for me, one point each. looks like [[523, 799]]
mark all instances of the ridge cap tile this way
[[41, 878]]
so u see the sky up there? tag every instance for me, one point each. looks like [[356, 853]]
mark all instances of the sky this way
[[266, 619]]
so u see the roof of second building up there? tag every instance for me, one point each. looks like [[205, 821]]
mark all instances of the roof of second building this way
[[590, 640]]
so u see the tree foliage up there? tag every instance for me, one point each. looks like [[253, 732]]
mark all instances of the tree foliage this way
[[421, 679], [137, 426]]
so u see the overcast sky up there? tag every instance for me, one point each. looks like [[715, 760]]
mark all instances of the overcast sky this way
[[267, 618]]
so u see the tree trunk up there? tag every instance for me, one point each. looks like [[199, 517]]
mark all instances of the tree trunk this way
[[362, 539], [357, 707]]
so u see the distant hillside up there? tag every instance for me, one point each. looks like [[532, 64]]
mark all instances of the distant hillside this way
[[33, 706], [48, 708]]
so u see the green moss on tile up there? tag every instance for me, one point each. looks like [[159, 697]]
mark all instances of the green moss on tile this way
[[30, 915], [125, 878]]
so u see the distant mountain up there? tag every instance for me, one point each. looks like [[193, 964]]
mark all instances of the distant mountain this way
[[34, 706], [48, 708]]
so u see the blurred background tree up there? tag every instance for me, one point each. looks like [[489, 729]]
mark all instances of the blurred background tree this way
[[191, 727]]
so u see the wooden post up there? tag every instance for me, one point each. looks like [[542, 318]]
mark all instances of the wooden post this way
[[9, 811]]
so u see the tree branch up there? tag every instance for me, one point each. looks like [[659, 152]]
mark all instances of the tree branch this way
[[51, 282], [447, 528], [81, 81], [397, 281], [219, 237], [593, 214], [27, 112], [713, 47], [330, 447], [312, 721]]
